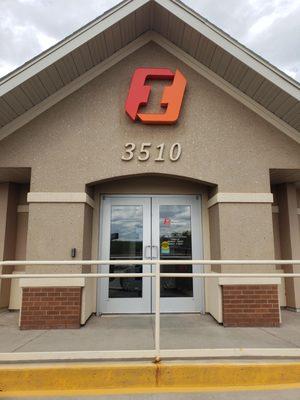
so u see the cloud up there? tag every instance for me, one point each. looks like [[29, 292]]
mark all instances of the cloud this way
[[269, 27], [28, 27], [45, 41], [5, 67]]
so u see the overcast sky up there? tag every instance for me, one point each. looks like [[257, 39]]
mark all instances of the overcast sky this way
[[271, 28]]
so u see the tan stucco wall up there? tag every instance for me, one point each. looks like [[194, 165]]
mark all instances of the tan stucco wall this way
[[276, 232], [53, 230], [277, 252], [88, 291], [215, 236], [20, 254], [246, 233], [20, 245], [3, 215], [80, 141], [298, 207], [22, 225], [8, 232], [21, 239], [241, 232], [289, 234]]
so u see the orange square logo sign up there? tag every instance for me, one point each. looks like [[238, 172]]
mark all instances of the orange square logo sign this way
[[139, 93]]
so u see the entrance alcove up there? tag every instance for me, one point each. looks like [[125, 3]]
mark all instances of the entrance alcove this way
[[155, 194], [14, 186]]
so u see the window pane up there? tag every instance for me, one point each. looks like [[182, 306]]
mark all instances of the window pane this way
[[175, 243], [126, 243]]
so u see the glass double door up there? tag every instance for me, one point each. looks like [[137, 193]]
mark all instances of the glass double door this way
[[151, 228]]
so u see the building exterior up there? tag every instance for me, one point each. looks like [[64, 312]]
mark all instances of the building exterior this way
[[91, 167]]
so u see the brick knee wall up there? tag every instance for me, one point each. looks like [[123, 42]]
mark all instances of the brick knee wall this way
[[250, 305], [51, 308]]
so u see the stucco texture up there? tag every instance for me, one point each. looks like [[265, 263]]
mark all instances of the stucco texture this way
[[80, 140]]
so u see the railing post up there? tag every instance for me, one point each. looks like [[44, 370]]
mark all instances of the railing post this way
[[157, 312]]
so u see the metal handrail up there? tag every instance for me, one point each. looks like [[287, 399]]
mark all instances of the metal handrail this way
[[157, 353], [148, 261]]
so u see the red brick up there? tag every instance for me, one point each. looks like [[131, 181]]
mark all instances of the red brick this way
[[250, 305], [51, 308]]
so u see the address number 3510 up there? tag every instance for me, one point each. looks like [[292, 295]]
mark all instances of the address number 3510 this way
[[146, 151]]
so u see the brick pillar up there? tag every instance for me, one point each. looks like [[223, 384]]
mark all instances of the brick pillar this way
[[244, 230], [51, 308], [53, 230], [250, 305]]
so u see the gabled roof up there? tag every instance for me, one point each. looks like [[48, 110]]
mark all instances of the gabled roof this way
[[62, 69]]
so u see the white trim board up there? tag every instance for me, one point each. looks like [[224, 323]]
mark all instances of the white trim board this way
[[240, 198], [249, 281], [124, 9], [69, 44], [252, 60], [60, 197], [73, 86], [226, 86], [126, 51], [52, 282]]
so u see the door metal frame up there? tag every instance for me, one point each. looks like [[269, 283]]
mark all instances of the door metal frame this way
[[193, 304], [123, 305], [197, 253]]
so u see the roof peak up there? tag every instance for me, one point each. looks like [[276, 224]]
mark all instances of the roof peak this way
[[105, 37], [122, 4]]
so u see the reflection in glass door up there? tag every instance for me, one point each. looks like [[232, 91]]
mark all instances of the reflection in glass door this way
[[176, 235], [125, 235], [157, 227], [175, 242]]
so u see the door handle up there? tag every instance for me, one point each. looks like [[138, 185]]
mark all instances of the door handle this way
[[156, 253], [147, 254]]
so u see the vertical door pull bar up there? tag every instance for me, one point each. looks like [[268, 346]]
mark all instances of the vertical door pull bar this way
[[155, 253], [147, 252]]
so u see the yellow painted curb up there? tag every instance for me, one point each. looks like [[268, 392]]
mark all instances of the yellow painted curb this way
[[126, 378]]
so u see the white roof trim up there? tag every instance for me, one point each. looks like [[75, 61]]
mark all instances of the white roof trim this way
[[127, 7], [73, 86], [126, 51], [122, 10], [227, 87], [69, 44], [231, 46]]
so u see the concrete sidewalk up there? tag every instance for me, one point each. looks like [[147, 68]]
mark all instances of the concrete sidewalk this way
[[124, 332]]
